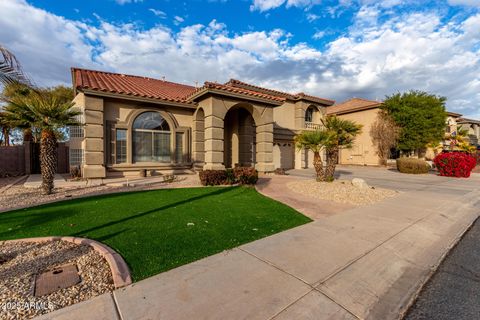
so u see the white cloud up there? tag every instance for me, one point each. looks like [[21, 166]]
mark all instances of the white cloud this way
[[122, 2], [318, 35], [177, 20], [312, 17], [373, 58], [265, 5], [158, 13], [471, 3]]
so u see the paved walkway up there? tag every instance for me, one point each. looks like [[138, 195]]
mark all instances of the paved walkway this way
[[364, 263]]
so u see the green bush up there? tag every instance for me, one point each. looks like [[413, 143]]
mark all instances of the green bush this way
[[241, 175], [213, 177], [246, 175], [412, 165]]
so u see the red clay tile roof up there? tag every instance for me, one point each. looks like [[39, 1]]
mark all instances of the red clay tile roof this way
[[465, 120], [352, 105], [238, 90], [130, 85], [292, 96], [453, 114], [169, 91]]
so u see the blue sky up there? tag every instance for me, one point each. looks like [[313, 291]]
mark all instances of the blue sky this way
[[332, 48]]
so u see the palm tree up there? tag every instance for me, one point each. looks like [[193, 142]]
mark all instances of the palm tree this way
[[341, 135], [47, 112], [10, 69], [314, 141]]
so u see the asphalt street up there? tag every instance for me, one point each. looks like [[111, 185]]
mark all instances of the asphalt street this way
[[453, 292]]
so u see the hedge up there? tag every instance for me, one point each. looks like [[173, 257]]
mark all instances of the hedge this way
[[455, 164], [412, 165]]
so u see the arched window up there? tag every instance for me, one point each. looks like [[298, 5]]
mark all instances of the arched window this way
[[309, 114], [151, 138]]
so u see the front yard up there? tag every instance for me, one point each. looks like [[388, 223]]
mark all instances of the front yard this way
[[158, 230]]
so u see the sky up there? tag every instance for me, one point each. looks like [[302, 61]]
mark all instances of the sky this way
[[336, 49]]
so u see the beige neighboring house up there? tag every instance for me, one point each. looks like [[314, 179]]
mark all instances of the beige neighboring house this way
[[133, 123], [363, 112]]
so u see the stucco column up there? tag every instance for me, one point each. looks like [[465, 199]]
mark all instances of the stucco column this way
[[198, 137], [93, 143], [264, 148], [213, 143]]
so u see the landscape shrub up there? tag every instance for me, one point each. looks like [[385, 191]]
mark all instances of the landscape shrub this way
[[455, 164], [241, 175], [230, 176], [412, 165], [246, 175], [75, 172], [213, 177]]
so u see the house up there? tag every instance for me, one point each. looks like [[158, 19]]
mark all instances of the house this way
[[133, 123], [473, 129], [363, 112]]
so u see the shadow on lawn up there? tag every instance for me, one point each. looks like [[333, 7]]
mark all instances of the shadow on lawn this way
[[25, 219], [141, 214]]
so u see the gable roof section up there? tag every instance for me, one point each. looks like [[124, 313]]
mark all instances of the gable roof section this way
[[212, 87], [286, 95], [465, 120], [353, 105], [130, 85]]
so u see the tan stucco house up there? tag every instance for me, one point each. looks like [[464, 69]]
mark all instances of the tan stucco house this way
[[363, 112], [133, 123]]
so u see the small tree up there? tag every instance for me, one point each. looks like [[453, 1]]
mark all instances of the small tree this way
[[385, 134], [46, 111], [341, 134], [314, 141], [421, 117]]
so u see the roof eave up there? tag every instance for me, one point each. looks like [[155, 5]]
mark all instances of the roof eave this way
[[205, 91], [365, 108], [191, 105]]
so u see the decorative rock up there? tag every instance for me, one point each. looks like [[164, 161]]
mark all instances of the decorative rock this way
[[359, 183]]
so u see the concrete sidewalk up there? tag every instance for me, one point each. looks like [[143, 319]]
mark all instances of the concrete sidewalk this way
[[364, 263]]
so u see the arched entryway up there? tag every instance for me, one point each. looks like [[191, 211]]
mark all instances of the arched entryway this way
[[239, 138]]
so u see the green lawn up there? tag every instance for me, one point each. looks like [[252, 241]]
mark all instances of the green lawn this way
[[149, 228]]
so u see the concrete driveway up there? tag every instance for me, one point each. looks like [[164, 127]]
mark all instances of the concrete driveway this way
[[362, 263]]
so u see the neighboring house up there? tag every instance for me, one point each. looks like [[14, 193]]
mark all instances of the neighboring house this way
[[473, 129], [363, 112], [133, 123]]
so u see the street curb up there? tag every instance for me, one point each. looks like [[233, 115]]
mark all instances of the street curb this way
[[118, 267], [434, 268]]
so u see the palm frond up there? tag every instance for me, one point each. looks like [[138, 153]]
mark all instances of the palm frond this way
[[10, 69]]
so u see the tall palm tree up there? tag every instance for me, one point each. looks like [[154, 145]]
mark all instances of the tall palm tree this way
[[48, 113], [341, 135], [10, 69], [314, 141]]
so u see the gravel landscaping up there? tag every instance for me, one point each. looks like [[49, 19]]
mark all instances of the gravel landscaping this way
[[18, 196], [341, 191], [20, 261]]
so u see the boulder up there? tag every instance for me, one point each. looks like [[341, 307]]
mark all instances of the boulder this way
[[359, 183]]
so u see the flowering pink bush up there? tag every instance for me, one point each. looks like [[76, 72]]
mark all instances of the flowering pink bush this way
[[455, 164]]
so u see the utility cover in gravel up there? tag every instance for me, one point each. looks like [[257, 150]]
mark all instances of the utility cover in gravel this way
[[25, 260]]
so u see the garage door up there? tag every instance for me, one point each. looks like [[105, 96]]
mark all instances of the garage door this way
[[283, 155]]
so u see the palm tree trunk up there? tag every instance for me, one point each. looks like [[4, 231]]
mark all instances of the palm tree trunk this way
[[318, 165], [48, 159], [332, 160]]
